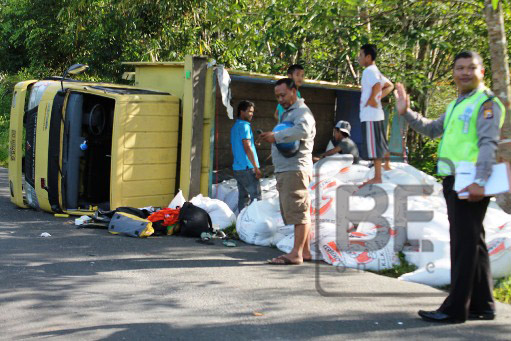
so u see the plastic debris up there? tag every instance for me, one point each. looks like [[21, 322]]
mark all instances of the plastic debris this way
[[220, 234], [45, 234], [229, 243], [83, 220], [256, 313], [205, 236], [400, 323], [61, 215]]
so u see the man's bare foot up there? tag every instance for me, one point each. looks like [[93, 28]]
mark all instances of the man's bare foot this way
[[387, 167], [371, 182], [285, 260]]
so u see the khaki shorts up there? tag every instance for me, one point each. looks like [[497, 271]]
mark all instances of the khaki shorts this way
[[294, 197]]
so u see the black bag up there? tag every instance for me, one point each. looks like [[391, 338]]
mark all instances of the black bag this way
[[194, 220]]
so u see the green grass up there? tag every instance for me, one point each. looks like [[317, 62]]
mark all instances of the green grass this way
[[502, 290], [231, 232], [398, 270]]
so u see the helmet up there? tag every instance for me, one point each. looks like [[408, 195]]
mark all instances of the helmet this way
[[288, 149]]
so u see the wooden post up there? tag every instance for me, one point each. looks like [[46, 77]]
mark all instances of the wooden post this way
[[192, 130]]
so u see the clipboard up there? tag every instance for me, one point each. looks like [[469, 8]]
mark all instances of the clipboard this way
[[499, 181]]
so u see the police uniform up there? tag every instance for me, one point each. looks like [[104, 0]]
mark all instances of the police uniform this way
[[470, 130]]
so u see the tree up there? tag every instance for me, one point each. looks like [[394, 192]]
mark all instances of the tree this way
[[500, 79]]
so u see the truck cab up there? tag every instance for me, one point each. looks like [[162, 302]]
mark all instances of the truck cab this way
[[78, 146]]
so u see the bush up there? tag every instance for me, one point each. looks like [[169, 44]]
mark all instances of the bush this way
[[502, 291], [398, 270], [425, 159]]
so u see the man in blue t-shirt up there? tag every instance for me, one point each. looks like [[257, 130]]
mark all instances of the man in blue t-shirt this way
[[297, 73], [245, 165]]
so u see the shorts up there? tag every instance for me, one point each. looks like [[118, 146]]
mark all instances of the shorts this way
[[294, 197], [374, 140]]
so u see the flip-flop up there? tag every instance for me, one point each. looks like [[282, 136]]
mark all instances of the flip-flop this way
[[285, 261]]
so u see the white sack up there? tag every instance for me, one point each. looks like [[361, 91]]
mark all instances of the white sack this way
[[286, 245], [261, 223], [353, 174], [178, 200], [221, 215], [331, 165], [437, 274]]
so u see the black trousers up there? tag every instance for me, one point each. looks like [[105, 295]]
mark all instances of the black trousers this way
[[471, 281]]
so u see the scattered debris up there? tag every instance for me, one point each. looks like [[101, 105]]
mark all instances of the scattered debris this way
[[229, 243], [83, 220], [45, 234]]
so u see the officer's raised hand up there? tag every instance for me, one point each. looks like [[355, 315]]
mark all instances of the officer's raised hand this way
[[402, 99]]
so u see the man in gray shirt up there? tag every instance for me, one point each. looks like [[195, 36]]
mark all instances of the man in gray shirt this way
[[293, 172], [343, 144], [470, 129]]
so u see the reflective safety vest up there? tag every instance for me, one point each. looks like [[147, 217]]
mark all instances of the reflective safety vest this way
[[459, 141]]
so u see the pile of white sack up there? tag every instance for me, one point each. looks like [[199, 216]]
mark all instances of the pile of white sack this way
[[426, 244], [221, 215], [227, 191]]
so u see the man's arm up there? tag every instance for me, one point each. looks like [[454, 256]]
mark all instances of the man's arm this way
[[387, 88], [248, 150], [302, 128], [374, 92], [488, 132], [423, 125], [330, 152]]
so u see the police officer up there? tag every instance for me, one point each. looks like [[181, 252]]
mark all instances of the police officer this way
[[470, 130]]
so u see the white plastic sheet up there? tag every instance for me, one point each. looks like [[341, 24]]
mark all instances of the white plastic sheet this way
[[261, 224], [221, 215]]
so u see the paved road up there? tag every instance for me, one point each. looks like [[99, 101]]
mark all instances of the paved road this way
[[85, 284]]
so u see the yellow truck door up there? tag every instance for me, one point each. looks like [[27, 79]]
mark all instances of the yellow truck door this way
[[144, 151]]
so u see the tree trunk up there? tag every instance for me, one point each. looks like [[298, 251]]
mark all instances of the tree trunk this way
[[501, 82]]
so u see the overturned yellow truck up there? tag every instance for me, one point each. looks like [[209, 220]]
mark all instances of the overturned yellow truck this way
[[76, 146]]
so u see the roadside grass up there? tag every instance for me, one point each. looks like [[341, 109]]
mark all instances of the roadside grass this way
[[398, 270], [231, 232], [502, 290]]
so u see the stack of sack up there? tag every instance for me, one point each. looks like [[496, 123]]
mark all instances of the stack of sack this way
[[425, 244], [221, 214], [227, 191]]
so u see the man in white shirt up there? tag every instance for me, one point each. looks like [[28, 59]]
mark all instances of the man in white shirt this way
[[375, 86]]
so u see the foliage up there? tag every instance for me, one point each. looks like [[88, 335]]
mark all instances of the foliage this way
[[398, 270], [502, 291], [425, 158], [231, 232], [417, 39]]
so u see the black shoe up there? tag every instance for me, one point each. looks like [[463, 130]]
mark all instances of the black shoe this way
[[438, 316], [481, 315]]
